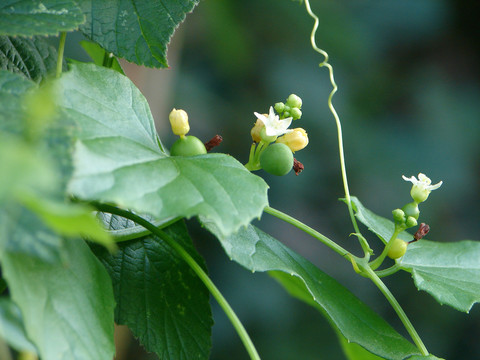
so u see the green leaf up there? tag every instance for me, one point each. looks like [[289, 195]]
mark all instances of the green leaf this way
[[97, 54], [67, 304], [355, 352], [13, 87], [46, 17], [423, 357], [158, 296], [32, 57], [258, 251], [11, 327], [380, 226], [136, 30], [23, 169], [68, 219], [450, 272], [118, 158]]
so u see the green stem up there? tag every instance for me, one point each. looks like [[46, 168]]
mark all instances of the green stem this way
[[3, 285], [107, 59], [137, 232], [379, 260], [398, 309], [298, 224], [335, 115], [61, 47], [389, 271], [194, 266]]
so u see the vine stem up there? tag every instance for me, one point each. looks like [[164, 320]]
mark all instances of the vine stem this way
[[334, 113], [312, 232], [247, 342], [379, 260], [398, 309], [61, 47]]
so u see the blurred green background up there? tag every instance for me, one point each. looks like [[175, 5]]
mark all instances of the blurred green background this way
[[409, 100]]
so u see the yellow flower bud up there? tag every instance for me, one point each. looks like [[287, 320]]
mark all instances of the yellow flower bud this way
[[255, 132], [295, 140], [179, 122]]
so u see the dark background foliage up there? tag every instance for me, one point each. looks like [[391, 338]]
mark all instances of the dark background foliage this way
[[408, 98]]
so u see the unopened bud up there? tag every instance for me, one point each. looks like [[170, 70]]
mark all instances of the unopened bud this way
[[411, 221], [279, 107], [398, 216], [411, 209], [294, 101], [296, 113], [179, 122], [295, 140]]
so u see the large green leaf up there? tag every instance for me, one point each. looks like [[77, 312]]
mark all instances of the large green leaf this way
[[35, 17], [158, 296], [450, 272], [11, 327], [355, 352], [33, 57], [136, 30], [67, 304], [257, 251], [118, 158], [64, 293]]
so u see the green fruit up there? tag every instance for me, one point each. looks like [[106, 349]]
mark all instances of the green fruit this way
[[188, 146], [398, 249], [277, 159]]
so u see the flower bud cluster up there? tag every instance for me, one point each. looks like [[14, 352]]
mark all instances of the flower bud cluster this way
[[274, 127], [408, 215]]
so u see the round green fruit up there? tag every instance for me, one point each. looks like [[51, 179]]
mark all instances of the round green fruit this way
[[277, 159], [398, 249], [188, 146]]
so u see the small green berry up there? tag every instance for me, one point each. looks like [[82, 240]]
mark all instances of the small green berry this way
[[277, 159], [294, 101], [279, 107], [286, 114], [188, 146], [398, 249]]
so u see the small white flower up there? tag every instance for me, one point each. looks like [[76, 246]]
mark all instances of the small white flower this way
[[274, 126], [423, 182]]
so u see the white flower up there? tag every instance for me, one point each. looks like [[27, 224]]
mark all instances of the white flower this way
[[421, 187], [423, 182], [274, 126]]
